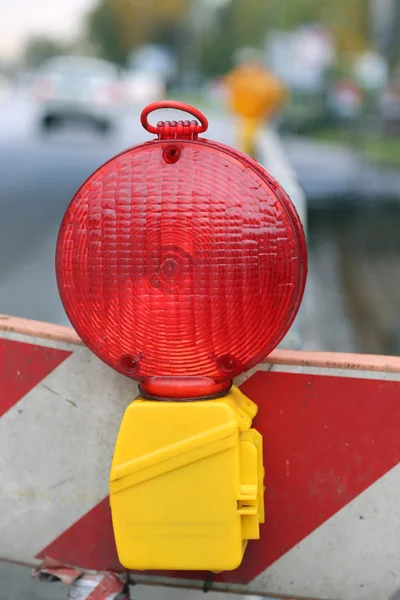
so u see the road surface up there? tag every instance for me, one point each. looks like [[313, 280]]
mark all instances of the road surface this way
[[330, 174]]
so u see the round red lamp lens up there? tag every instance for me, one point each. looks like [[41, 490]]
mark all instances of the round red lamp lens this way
[[181, 265]]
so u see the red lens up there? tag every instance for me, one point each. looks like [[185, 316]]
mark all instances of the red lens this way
[[181, 265]]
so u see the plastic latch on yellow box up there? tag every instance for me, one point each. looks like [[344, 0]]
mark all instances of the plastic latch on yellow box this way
[[186, 484]]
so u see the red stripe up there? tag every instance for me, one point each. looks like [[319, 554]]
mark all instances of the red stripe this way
[[22, 367], [326, 440], [88, 543], [110, 584]]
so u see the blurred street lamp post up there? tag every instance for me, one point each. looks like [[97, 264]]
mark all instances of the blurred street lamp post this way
[[200, 21], [384, 25]]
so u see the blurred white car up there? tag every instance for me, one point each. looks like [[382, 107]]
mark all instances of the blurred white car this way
[[78, 89]]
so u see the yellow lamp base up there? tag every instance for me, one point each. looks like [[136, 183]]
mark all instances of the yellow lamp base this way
[[186, 483]]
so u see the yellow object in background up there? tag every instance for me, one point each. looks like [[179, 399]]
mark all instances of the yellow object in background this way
[[254, 91], [255, 95], [246, 135], [186, 484]]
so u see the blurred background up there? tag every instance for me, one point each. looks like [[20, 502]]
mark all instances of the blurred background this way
[[74, 75]]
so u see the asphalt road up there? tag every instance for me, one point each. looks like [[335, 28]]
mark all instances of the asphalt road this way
[[333, 175], [39, 174]]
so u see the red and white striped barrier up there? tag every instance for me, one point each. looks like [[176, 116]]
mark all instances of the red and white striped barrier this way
[[332, 449]]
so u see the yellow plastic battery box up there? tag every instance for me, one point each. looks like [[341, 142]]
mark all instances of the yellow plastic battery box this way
[[186, 484]]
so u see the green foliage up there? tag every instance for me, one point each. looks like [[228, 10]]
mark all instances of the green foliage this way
[[219, 45], [40, 48], [244, 23], [376, 147], [116, 27], [103, 31]]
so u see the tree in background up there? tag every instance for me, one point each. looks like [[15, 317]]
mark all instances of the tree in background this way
[[219, 43], [103, 32], [244, 23], [238, 23], [40, 48], [116, 27], [204, 34]]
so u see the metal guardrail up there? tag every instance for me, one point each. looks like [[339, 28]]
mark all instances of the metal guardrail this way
[[273, 157]]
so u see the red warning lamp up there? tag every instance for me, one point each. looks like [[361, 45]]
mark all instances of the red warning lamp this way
[[181, 262]]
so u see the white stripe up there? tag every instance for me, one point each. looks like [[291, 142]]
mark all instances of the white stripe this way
[[346, 558], [56, 446], [352, 556], [45, 342]]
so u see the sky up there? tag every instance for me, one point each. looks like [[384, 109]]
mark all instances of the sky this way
[[19, 19]]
